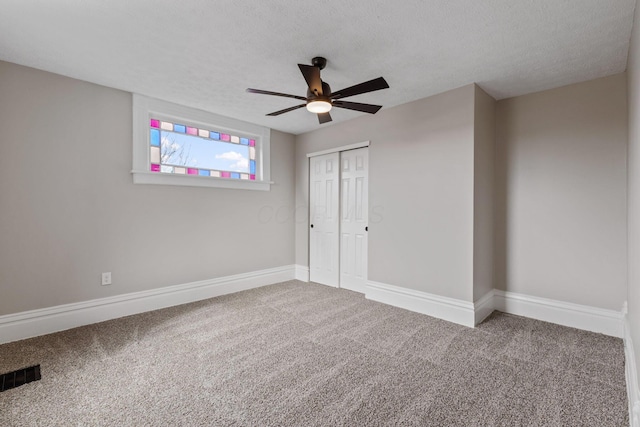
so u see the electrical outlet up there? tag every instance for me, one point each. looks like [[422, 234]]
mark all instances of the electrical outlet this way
[[106, 278]]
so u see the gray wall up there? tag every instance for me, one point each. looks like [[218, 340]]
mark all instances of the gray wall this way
[[561, 189], [483, 192], [69, 209], [634, 187], [420, 191]]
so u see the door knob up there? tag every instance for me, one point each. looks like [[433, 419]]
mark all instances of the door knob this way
[[366, 228], [311, 225]]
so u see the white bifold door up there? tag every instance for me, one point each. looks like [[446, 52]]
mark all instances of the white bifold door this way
[[339, 219]]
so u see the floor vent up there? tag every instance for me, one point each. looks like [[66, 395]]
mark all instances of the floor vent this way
[[17, 378]]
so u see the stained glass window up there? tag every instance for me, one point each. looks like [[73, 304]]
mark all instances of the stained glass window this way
[[182, 146], [177, 148]]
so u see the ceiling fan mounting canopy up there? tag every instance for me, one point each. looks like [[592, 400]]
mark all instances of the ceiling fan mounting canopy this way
[[319, 62], [319, 97]]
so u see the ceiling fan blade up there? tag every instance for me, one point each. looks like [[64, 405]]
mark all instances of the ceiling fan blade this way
[[324, 117], [266, 92], [365, 108], [370, 86], [286, 110], [312, 77]]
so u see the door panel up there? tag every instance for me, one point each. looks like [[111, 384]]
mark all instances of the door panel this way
[[324, 218], [354, 219]]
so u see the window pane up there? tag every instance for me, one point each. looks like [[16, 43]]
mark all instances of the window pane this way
[[201, 153], [155, 154], [180, 128], [155, 137]]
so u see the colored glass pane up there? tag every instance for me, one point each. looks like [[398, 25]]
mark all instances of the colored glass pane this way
[[235, 175], [215, 174], [203, 133], [252, 142], [244, 141], [166, 125], [252, 153], [252, 177], [180, 128], [244, 176], [154, 135], [192, 171], [225, 137], [155, 168], [214, 135], [235, 139], [155, 123], [225, 174], [192, 131], [203, 172], [155, 155], [252, 167], [166, 169], [180, 171]]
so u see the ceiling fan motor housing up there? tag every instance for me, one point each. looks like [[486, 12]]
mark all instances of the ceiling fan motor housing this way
[[326, 93]]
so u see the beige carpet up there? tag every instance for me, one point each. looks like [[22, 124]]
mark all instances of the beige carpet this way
[[297, 354]]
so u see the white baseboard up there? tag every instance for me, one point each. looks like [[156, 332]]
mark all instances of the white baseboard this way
[[33, 323], [450, 309], [608, 322], [302, 273], [631, 373], [484, 306]]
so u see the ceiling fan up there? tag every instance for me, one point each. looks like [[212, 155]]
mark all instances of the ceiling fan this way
[[320, 99]]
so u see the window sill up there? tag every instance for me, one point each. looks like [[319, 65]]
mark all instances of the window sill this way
[[198, 181]]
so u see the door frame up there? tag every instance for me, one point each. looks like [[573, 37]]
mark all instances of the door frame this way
[[341, 148]]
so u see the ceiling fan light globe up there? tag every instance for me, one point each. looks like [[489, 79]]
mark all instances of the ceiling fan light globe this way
[[319, 106]]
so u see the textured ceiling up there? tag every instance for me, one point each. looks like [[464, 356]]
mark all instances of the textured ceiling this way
[[204, 53]]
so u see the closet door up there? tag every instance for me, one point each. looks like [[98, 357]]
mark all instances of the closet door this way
[[324, 202], [354, 218]]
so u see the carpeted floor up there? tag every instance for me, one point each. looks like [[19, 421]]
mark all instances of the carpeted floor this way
[[298, 354]]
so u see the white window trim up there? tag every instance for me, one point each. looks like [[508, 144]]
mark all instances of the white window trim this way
[[144, 107]]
